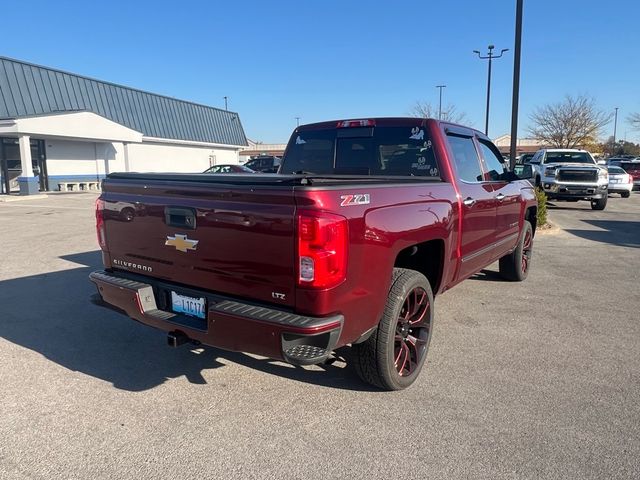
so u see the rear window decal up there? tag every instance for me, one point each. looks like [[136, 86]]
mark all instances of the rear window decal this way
[[417, 134], [300, 141]]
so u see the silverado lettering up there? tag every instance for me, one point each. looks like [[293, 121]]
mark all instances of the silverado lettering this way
[[135, 266], [283, 271]]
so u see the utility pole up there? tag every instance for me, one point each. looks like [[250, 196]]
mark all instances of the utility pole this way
[[440, 87], [225, 102], [516, 86], [490, 56], [615, 128], [297, 121]]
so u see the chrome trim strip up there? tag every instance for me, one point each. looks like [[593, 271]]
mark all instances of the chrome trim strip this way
[[484, 250]]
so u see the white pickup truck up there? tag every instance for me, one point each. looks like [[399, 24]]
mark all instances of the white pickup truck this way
[[571, 175]]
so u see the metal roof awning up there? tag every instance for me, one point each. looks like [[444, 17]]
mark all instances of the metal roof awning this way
[[80, 126], [27, 89]]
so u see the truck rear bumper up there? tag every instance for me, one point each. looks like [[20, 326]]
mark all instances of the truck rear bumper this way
[[229, 324]]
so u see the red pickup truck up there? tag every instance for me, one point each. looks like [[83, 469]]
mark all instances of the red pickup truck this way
[[365, 222]]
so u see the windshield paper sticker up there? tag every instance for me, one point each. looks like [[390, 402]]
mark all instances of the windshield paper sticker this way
[[355, 199], [417, 134], [300, 141]]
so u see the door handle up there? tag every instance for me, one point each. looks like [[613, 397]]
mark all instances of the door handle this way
[[469, 202], [180, 217], [500, 197]]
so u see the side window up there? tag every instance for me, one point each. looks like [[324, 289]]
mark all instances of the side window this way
[[535, 158], [465, 158], [492, 161]]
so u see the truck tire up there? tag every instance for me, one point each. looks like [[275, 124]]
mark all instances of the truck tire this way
[[392, 357], [515, 265], [625, 194], [600, 203]]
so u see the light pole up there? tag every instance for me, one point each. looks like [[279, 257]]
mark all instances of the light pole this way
[[440, 87], [225, 102], [615, 127], [297, 121], [490, 56], [516, 85]]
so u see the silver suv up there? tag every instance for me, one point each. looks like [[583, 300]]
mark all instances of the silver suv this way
[[571, 175]]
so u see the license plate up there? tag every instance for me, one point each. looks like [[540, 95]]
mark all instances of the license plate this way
[[188, 305], [615, 180]]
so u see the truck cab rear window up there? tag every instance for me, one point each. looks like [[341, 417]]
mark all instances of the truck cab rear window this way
[[381, 151]]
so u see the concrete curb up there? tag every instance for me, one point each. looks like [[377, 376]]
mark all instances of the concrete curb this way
[[548, 229], [20, 198]]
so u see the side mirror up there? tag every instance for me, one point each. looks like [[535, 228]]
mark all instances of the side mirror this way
[[523, 172]]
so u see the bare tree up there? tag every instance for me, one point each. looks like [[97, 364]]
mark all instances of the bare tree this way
[[571, 123], [449, 112], [634, 120]]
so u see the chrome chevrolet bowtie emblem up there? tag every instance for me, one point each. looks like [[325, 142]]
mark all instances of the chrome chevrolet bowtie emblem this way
[[181, 242]]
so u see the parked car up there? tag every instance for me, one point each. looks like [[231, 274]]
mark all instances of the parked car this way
[[615, 160], [524, 158], [633, 169], [387, 214], [571, 175], [264, 164], [229, 169], [620, 181]]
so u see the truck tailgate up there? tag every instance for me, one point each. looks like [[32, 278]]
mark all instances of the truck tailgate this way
[[230, 239]]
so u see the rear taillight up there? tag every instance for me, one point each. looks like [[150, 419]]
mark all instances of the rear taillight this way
[[630, 178], [102, 240], [322, 249]]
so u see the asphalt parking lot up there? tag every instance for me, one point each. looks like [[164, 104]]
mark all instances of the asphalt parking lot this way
[[533, 380]]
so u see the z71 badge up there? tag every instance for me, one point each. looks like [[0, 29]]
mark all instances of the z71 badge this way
[[355, 199]]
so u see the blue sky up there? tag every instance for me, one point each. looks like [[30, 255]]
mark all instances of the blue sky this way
[[322, 60]]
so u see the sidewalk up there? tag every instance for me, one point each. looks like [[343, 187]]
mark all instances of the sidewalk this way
[[14, 197]]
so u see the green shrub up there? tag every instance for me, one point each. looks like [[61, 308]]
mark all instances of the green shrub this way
[[542, 207]]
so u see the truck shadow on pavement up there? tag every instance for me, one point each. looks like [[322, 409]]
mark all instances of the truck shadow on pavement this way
[[488, 276], [551, 205], [51, 314], [614, 232]]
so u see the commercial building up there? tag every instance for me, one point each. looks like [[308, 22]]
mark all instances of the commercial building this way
[[256, 149], [523, 145], [60, 130]]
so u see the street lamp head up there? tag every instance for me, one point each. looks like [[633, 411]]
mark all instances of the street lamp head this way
[[491, 47], [476, 51], [504, 50]]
